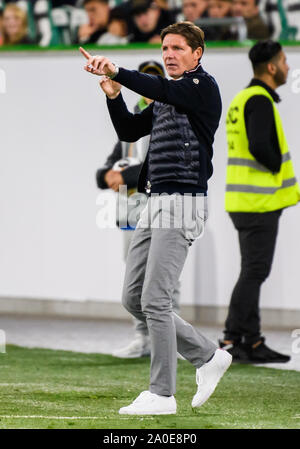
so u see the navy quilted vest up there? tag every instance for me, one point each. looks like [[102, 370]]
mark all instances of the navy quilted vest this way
[[174, 149]]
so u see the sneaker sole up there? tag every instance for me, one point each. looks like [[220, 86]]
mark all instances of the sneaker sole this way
[[212, 389], [260, 362], [148, 413]]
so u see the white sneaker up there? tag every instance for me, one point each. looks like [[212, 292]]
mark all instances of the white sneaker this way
[[139, 347], [208, 376], [148, 403]]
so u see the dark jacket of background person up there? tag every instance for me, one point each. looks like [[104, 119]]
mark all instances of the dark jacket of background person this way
[[197, 96], [129, 174], [261, 128]]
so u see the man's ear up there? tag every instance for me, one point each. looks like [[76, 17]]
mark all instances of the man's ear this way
[[272, 69], [198, 53]]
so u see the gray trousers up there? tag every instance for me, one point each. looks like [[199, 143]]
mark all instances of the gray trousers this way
[[141, 326], [155, 260]]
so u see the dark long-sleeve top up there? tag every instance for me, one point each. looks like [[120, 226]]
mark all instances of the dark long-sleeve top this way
[[261, 130], [196, 94]]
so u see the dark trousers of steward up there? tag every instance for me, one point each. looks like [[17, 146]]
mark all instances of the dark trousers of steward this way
[[257, 238], [157, 253]]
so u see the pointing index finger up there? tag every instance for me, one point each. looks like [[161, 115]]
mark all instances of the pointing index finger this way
[[85, 53]]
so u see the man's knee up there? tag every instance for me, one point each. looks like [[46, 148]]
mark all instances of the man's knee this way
[[156, 306], [131, 301], [127, 301], [258, 272]]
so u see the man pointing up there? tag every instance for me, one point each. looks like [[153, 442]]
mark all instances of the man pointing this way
[[182, 122]]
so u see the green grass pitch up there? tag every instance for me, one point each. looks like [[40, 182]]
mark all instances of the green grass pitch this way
[[46, 389]]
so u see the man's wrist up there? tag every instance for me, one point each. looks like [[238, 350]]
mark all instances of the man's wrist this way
[[116, 71], [113, 97]]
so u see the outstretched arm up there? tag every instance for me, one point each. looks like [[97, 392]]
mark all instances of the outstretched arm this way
[[129, 127], [186, 93]]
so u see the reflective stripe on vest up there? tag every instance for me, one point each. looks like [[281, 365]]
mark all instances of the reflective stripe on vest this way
[[255, 189], [254, 164], [251, 187]]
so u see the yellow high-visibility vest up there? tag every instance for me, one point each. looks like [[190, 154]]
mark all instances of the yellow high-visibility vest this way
[[251, 187]]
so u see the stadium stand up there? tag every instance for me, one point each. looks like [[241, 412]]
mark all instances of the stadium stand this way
[[56, 22], [283, 17]]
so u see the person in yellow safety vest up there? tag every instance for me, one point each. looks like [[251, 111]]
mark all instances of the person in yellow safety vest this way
[[260, 184]]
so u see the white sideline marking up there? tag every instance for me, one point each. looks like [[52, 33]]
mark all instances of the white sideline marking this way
[[49, 417], [65, 417]]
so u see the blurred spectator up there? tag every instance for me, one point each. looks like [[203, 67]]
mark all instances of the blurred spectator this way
[[218, 9], [249, 10], [148, 19], [15, 26], [98, 16], [194, 9], [1, 27], [117, 29]]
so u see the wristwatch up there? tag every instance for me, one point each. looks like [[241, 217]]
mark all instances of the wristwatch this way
[[116, 72]]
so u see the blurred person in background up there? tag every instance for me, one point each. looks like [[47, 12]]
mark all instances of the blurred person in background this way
[[249, 10], [1, 27], [15, 26], [122, 167], [117, 29], [148, 19], [218, 9], [98, 17], [260, 184], [194, 9]]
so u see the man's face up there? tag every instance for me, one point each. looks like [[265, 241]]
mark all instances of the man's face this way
[[98, 14], [193, 9], [147, 21], [218, 8], [178, 56], [245, 8], [282, 69]]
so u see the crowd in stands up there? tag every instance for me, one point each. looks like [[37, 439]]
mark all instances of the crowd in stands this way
[[117, 22]]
